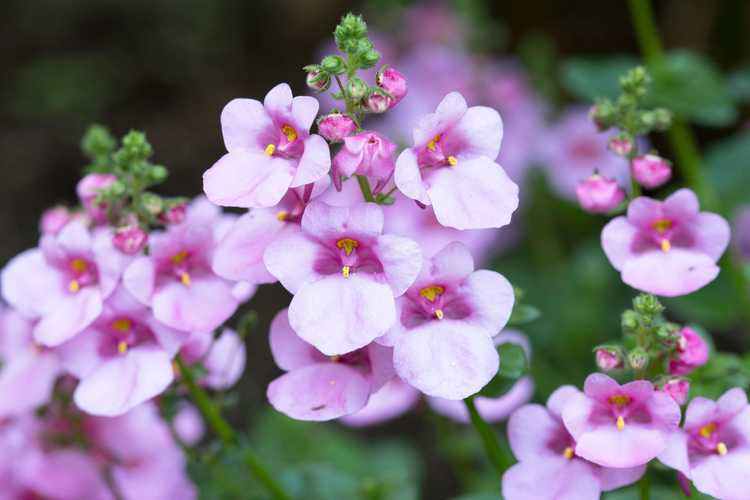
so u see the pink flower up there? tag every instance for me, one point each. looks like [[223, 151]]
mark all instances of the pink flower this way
[[269, 149], [130, 239], [666, 248], [573, 149], [175, 214], [188, 424], [692, 352], [28, 371], [391, 401], [550, 465], [452, 168], [446, 320], [176, 279], [392, 82], [336, 126], [319, 387], [620, 426], [223, 358], [621, 146], [678, 389], [54, 219], [599, 195], [64, 281], [123, 359], [344, 274], [651, 171], [608, 360], [369, 154], [713, 447], [492, 409], [88, 189]]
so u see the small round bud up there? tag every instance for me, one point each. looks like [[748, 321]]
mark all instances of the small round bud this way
[[599, 195], [378, 102], [369, 58], [335, 126], [608, 359], [90, 187], [158, 173], [175, 214], [629, 320], [129, 239], [651, 171], [647, 305], [333, 65], [678, 389], [356, 88], [392, 82], [662, 119], [621, 145], [602, 114], [152, 203], [638, 358], [692, 352], [318, 80]]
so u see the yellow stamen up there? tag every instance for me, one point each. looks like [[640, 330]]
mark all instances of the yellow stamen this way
[[74, 286], [270, 149], [347, 245], [335, 358], [432, 145], [721, 448], [282, 215], [289, 132], [568, 453], [78, 265], [432, 292], [620, 423], [707, 430], [452, 161], [439, 314], [179, 257], [122, 347], [345, 271], [666, 246], [122, 325], [185, 279], [662, 225], [619, 400]]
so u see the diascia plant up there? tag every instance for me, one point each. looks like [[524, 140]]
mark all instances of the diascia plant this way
[[122, 312]]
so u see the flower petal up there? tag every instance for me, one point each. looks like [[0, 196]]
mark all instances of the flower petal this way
[[243, 123], [554, 479], [393, 400], [26, 381], [71, 316], [140, 279], [288, 350], [480, 132], [314, 163], [408, 177], [617, 240], [491, 299], [30, 285], [401, 259], [712, 234], [669, 274], [201, 307], [326, 221], [225, 361], [291, 258]]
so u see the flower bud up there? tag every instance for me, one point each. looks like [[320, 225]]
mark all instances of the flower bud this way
[[599, 195], [333, 65], [602, 114], [129, 239], [175, 214], [678, 389], [335, 126], [638, 358], [318, 80], [629, 321], [608, 359], [369, 58], [378, 102], [647, 305], [368, 154], [53, 219], [88, 189], [651, 171], [691, 352], [392, 82], [152, 203], [621, 145], [356, 88]]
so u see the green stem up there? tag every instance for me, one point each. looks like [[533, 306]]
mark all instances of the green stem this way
[[644, 486], [489, 439], [645, 29], [364, 186], [224, 431]]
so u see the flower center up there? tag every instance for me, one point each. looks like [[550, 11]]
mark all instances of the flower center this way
[[289, 132], [433, 295], [122, 325], [82, 271], [347, 245], [707, 430], [661, 226], [432, 145], [179, 260], [79, 265], [620, 400]]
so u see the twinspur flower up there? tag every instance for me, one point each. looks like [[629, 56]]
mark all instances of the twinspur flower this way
[[270, 150], [367, 153]]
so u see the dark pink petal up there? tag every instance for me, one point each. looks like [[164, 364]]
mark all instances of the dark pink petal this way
[[289, 351], [338, 315], [446, 359], [401, 259], [553, 479], [314, 163], [670, 274], [617, 241], [71, 315], [480, 133], [319, 392], [408, 177], [248, 179], [244, 123], [291, 258], [200, 307]]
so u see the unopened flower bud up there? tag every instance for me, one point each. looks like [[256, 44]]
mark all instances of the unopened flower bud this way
[[53, 219], [629, 321], [659, 119], [333, 65], [356, 88], [651, 171], [318, 80], [647, 304], [175, 214], [608, 359], [678, 389], [369, 154], [602, 114], [335, 126], [692, 352], [599, 195], [378, 102], [369, 58], [158, 173], [152, 203], [638, 358], [621, 145], [130, 239], [392, 82], [89, 188]]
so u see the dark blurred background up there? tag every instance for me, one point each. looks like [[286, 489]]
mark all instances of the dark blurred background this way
[[168, 67]]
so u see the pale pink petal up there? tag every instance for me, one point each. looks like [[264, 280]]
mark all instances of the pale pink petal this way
[[110, 263], [304, 111], [75, 238], [279, 99], [611, 478], [448, 113], [480, 131], [80, 355], [530, 430], [559, 398], [30, 285], [65, 474], [319, 392], [617, 241], [556, 479], [600, 386], [381, 365], [140, 279], [248, 179], [401, 259], [682, 205], [712, 234], [243, 121], [26, 381], [314, 163], [675, 455], [723, 476], [201, 306], [289, 351], [291, 258], [71, 316], [670, 274], [225, 361], [338, 315], [643, 210], [393, 400], [326, 221], [446, 359], [452, 263], [491, 409], [633, 445], [408, 177], [475, 194], [490, 297]]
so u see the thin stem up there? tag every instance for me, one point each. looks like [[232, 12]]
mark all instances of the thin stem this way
[[644, 486], [645, 29], [221, 427], [489, 439], [364, 186]]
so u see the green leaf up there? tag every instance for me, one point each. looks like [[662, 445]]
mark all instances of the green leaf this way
[[592, 78], [728, 166], [691, 86], [708, 306], [739, 84], [513, 365], [522, 314]]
